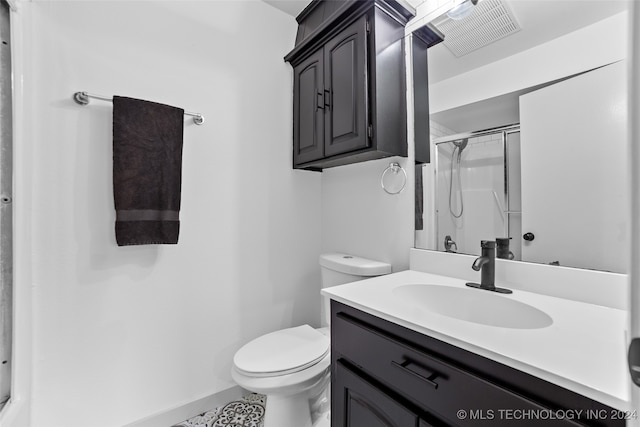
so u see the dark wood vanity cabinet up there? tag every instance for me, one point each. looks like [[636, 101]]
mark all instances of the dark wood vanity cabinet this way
[[386, 375], [349, 101], [364, 404]]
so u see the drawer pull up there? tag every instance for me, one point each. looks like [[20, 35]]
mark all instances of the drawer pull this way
[[403, 367]]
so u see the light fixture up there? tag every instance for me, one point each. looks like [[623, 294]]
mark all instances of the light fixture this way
[[462, 10]]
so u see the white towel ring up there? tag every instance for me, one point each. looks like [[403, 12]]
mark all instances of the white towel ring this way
[[394, 168]]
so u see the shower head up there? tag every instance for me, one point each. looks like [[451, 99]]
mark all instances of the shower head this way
[[461, 143]]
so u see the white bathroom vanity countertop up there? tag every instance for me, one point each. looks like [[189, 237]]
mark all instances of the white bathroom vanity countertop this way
[[584, 350]]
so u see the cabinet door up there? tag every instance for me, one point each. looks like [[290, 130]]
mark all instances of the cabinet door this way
[[308, 109], [345, 66], [357, 403]]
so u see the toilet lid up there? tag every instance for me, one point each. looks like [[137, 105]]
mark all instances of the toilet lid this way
[[282, 352]]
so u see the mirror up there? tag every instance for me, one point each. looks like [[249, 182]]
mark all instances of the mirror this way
[[544, 165]]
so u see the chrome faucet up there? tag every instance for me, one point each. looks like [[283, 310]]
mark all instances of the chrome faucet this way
[[449, 244], [487, 263]]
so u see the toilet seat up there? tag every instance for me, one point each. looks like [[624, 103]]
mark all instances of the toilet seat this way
[[282, 352]]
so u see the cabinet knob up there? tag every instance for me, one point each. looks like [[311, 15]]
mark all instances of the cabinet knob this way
[[528, 237]]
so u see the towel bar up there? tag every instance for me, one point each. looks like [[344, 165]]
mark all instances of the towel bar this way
[[82, 98]]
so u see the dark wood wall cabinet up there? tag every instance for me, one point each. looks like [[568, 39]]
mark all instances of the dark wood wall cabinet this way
[[349, 101], [386, 375]]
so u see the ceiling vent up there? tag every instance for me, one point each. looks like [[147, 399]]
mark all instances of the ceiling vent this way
[[491, 20]]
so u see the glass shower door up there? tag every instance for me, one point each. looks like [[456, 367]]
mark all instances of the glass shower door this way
[[470, 193]]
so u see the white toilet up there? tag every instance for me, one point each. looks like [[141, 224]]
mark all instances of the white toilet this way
[[291, 366]]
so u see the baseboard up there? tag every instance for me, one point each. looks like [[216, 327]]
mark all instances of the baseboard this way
[[173, 416]]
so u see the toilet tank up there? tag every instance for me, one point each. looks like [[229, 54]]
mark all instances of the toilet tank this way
[[338, 268]]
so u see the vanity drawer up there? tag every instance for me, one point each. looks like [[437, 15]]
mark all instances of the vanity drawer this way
[[431, 383]]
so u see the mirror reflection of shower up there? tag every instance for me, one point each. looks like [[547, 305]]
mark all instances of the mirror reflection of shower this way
[[477, 189], [459, 145]]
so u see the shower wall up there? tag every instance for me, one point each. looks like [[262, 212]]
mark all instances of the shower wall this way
[[480, 194]]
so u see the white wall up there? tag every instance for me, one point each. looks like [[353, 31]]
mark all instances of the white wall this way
[[576, 131], [360, 218], [598, 44], [122, 333]]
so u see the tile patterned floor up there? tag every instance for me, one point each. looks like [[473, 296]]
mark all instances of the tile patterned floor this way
[[247, 412]]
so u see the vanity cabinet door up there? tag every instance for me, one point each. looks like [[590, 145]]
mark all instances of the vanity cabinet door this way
[[308, 109], [358, 403], [345, 65]]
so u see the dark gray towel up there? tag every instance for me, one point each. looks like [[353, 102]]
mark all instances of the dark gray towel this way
[[147, 171], [419, 203]]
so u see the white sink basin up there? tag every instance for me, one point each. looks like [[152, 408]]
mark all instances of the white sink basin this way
[[474, 305]]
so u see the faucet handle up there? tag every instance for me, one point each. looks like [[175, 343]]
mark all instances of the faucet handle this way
[[487, 244], [449, 243], [502, 248]]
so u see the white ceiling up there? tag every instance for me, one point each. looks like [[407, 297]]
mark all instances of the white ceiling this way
[[290, 7], [541, 21], [294, 7]]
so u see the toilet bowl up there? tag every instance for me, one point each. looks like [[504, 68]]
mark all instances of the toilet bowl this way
[[292, 366]]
